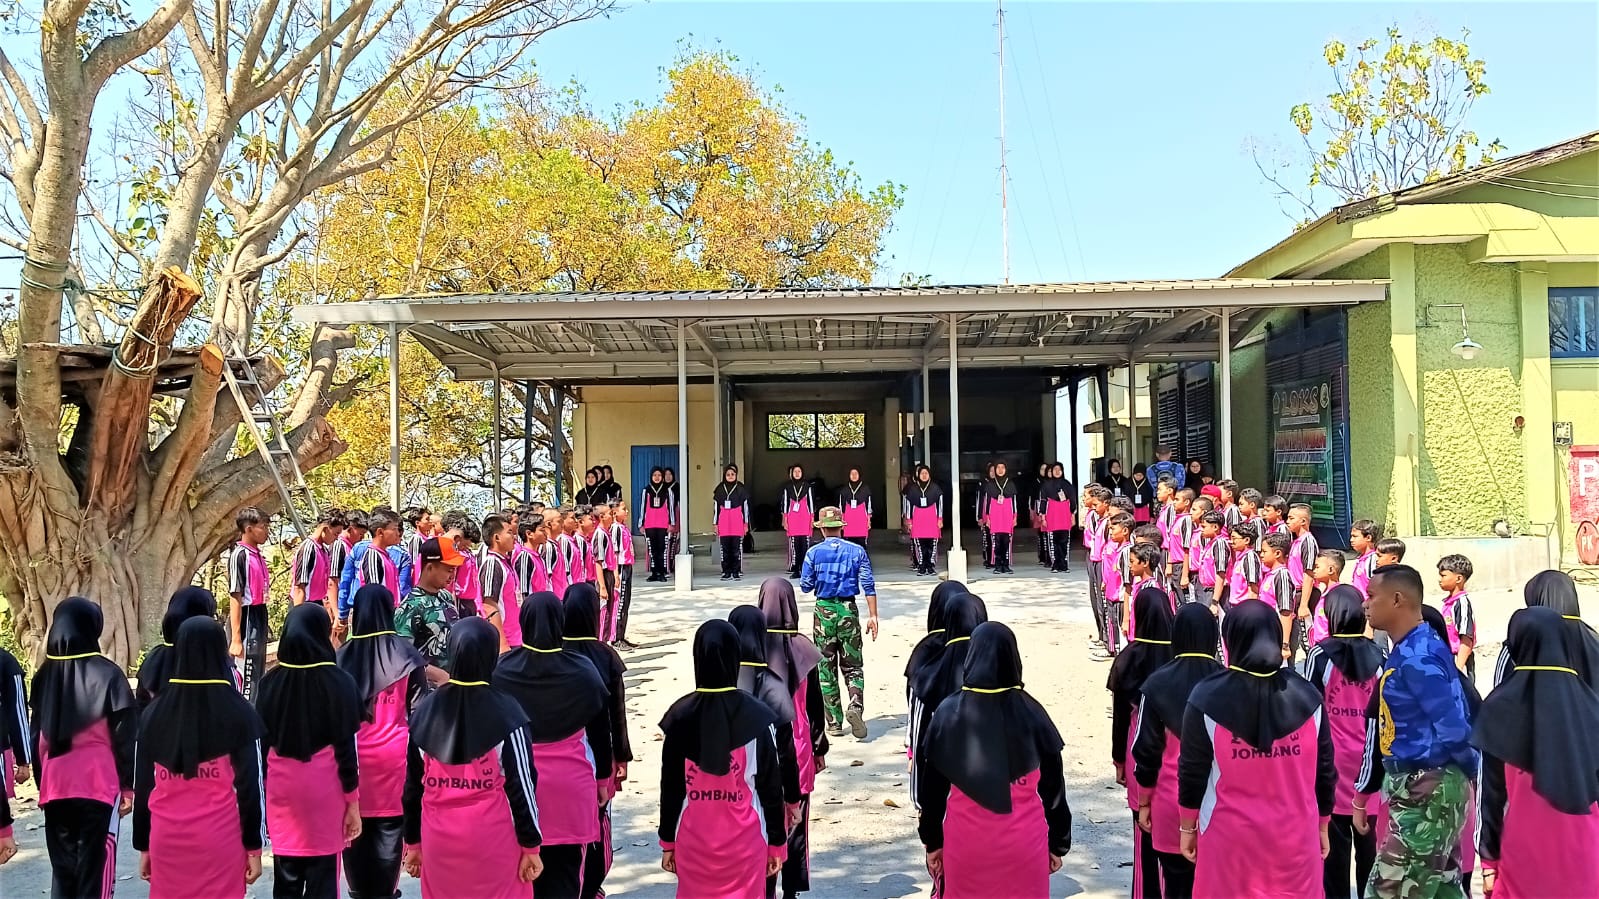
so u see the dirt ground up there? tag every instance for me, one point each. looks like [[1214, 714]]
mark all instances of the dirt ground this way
[[864, 834]]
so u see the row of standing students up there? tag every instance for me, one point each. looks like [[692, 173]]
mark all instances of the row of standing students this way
[[1211, 750]]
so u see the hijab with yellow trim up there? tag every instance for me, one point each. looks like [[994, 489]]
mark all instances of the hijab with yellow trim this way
[[561, 690], [718, 717], [76, 686], [307, 702], [1256, 698]]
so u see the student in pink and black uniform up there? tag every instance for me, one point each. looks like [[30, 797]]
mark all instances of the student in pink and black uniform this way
[[198, 820], [531, 574], [798, 509], [1147, 652], [247, 585], [471, 816], [1112, 569], [795, 659], [1540, 768], [722, 829], [16, 735], [1209, 557], [1301, 563], [1056, 511], [1257, 747], [570, 728], [731, 507], [389, 679], [1459, 614], [658, 506], [1363, 537], [1158, 741], [1142, 492], [613, 621], [311, 712], [1001, 505], [1245, 571], [936, 679], [311, 572], [1276, 588], [1345, 667], [464, 585], [85, 721], [757, 678], [855, 501], [581, 619], [994, 816], [1095, 524], [501, 603], [924, 519], [1556, 590], [186, 603]]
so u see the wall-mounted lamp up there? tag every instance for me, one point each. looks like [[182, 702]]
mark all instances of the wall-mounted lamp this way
[[1467, 348]]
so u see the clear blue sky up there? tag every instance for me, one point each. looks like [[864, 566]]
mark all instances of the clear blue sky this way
[[1128, 122]]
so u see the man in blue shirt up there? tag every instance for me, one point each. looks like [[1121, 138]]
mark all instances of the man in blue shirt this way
[[1424, 735], [837, 571], [1166, 468]]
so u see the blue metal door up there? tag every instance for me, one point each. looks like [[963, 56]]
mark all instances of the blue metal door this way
[[645, 458]]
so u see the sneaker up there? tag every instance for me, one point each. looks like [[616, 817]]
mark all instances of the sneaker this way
[[857, 724], [625, 645], [738, 575], [835, 730], [1100, 655]]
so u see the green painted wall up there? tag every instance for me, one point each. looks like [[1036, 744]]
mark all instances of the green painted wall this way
[[1371, 397], [1470, 470], [1251, 440]]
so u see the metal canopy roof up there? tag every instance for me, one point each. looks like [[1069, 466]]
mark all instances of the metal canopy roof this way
[[591, 337]]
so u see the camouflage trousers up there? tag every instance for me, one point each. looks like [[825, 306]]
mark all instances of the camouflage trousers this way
[[1420, 858], [837, 632]]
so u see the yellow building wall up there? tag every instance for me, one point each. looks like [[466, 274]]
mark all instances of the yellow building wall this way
[[610, 421]]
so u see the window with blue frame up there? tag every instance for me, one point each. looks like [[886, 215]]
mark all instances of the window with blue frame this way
[[1574, 322]]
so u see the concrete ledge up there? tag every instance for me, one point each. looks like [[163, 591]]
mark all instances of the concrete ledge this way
[[1498, 563]]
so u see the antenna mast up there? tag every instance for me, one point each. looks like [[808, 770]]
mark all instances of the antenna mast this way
[[1004, 174]]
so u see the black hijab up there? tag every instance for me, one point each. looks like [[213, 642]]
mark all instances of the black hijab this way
[[1115, 482], [997, 487], [307, 702], [560, 691], [1148, 651], [467, 717], [76, 686], [580, 632], [200, 715], [1256, 698], [1543, 718], [374, 655], [990, 732], [735, 493], [1435, 620], [755, 675], [186, 603], [857, 491], [1193, 643], [790, 654], [941, 676], [717, 717], [932, 644], [1347, 647], [1556, 590], [918, 490]]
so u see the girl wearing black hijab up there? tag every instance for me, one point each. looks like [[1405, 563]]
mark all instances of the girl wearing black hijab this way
[[1556, 590], [1147, 652], [1055, 511], [1345, 667], [311, 712], [730, 513], [1540, 767], [855, 501], [390, 679], [197, 815], [932, 644], [657, 516], [924, 519], [472, 824], [718, 838], [1114, 480], [794, 658], [186, 603], [85, 722], [993, 790], [1000, 501], [757, 678], [1256, 748], [580, 634], [592, 494], [569, 722], [938, 678], [16, 741], [1155, 748], [1142, 493]]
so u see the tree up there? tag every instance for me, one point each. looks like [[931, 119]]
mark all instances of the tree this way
[[1396, 118], [711, 186], [254, 106]]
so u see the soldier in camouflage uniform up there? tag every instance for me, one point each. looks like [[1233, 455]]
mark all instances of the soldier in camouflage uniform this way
[[837, 571], [426, 615]]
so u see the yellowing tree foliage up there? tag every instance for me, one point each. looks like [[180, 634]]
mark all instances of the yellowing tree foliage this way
[[713, 185]]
